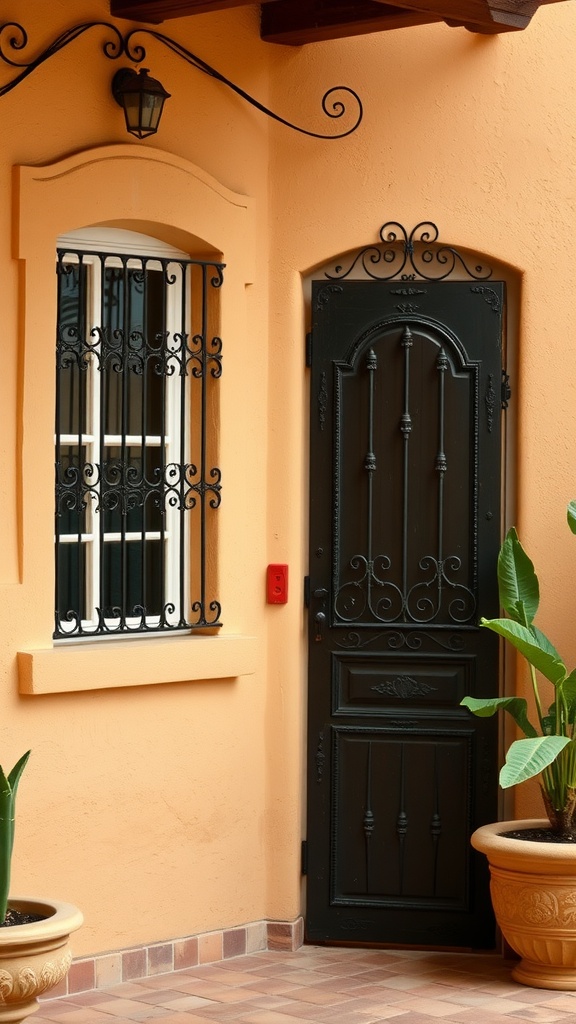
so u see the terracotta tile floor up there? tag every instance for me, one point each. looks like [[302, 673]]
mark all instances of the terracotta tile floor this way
[[325, 985]]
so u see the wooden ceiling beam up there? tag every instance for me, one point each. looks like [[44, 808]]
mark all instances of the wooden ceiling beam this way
[[480, 15], [163, 10], [296, 22]]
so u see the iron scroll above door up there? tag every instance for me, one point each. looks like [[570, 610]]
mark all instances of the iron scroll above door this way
[[409, 256]]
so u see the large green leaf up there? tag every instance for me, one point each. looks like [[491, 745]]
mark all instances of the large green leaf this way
[[15, 774], [533, 644], [515, 706], [517, 580], [571, 515], [8, 788], [527, 758]]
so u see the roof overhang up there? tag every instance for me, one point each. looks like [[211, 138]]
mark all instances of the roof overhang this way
[[295, 22]]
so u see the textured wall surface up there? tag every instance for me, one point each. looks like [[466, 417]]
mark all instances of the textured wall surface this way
[[174, 809]]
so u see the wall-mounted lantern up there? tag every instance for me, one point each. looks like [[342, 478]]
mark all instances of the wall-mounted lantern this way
[[141, 98]]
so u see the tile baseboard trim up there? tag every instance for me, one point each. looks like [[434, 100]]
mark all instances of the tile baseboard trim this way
[[105, 970]]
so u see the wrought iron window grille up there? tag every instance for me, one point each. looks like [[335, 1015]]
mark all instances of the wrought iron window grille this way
[[135, 490], [14, 39]]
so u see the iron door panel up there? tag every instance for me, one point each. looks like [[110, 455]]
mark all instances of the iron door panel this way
[[404, 535], [385, 683], [401, 858]]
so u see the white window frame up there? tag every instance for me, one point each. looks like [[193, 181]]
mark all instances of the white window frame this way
[[177, 557]]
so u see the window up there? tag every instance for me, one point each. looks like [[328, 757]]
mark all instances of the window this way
[[137, 361]]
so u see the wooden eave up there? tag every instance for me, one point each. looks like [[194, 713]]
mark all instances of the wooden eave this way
[[296, 22]]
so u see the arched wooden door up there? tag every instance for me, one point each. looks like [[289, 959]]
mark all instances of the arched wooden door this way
[[405, 457]]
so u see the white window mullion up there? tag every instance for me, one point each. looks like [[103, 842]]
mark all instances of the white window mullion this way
[[93, 450], [173, 454]]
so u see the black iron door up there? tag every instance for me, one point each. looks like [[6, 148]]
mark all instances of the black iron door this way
[[404, 536]]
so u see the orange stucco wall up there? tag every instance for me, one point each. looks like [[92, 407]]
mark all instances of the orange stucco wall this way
[[475, 133], [164, 810]]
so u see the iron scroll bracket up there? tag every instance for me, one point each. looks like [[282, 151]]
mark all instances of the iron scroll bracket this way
[[409, 256], [14, 39]]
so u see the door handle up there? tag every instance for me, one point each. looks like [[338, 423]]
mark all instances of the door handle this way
[[320, 593], [320, 620]]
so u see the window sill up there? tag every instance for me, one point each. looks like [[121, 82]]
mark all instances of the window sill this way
[[119, 663]]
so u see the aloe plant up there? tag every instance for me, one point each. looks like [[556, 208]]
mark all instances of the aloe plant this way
[[549, 745], [8, 790]]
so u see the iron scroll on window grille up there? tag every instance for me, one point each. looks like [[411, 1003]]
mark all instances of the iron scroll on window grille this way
[[137, 360]]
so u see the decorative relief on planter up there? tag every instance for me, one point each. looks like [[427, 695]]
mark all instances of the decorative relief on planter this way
[[534, 905], [25, 982]]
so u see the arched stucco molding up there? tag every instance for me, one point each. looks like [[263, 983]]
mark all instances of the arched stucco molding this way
[[121, 184]]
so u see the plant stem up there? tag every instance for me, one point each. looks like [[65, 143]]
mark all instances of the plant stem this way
[[6, 841], [537, 698]]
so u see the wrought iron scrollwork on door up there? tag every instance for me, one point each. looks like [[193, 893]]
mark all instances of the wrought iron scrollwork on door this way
[[372, 589], [372, 597]]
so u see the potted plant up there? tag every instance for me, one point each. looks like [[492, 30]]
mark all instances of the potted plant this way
[[533, 863], [34, 950]]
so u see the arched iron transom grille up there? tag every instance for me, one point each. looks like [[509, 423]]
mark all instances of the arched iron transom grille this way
[[137, 359]]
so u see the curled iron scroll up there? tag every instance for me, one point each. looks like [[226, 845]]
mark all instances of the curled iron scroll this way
[[409, 256], [14, 40]]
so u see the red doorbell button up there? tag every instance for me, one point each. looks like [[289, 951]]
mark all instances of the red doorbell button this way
[[277, 584]]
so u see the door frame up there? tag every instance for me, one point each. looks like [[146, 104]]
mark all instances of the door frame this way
[[408, 258]]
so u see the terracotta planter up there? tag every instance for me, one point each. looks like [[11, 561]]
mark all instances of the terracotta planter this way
[[34, 957], [533, 887]]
